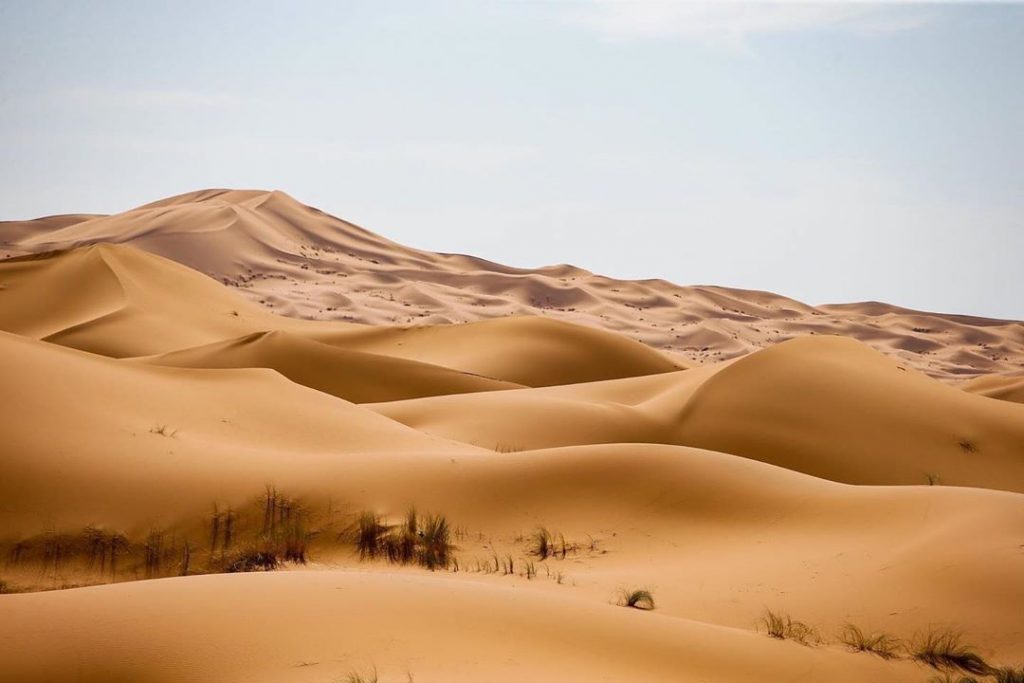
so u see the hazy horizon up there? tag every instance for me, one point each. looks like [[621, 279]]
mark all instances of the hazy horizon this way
[[828, 152]]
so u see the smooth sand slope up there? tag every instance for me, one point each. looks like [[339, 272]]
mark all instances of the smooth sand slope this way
[[825, 406], [1003, 387], [164, 436], [330, 624], [305, 263]]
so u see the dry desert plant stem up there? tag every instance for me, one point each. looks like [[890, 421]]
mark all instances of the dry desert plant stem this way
[[637, 598], [541, 543], [943, 648], [356, 677], [880, 644], [781, 626]]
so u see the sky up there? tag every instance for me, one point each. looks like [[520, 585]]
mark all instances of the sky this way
[[829, 152]]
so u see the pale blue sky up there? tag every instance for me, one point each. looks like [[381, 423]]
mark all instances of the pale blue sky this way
[[828, 152]]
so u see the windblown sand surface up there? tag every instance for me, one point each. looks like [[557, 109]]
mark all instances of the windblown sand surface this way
[[162, 429], [303, 263]]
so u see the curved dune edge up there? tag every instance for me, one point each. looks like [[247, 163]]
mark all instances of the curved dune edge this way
[[825, 406], [1002, 387], [355, 376], [121, 302], [317, 626], [301, 262], [158, 418]]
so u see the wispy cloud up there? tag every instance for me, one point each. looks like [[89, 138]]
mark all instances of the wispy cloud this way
[[732, 22]]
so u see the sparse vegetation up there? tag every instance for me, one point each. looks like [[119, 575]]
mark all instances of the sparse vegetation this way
[[880, 644], [949, 678], [252, 560], [944, 649], [1008, 674], [541, 543], [369, 533], [163, 430], [637, 598], [436, 548], [427, 544], [356, 677], [783, 627]]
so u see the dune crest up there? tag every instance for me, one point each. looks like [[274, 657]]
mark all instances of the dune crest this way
[[245, 442], [304, 263]]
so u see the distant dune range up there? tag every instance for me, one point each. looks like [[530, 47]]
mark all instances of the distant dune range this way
[[160, 423], [307, 264]]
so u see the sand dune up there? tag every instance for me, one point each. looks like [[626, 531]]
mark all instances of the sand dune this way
[[1004, 387], [820, 405], [168, 433], [356, 376], [330, 624], [304, 263]]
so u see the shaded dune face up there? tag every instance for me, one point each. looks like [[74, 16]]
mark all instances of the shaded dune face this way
[[166, 434], [304, 263]]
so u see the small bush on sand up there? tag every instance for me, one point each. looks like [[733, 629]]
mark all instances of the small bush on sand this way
[[252, 560], [356, 677], [1008, 674], [781, 626], [426, 542], [881, 644], [944, 649], [949, 678], [542, 544], [638, 598], [435, 543], [369, 532], [399, 545]]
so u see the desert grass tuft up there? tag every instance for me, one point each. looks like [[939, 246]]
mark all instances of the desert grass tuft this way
[[949, 678], [1008, 674], [880, 644], [637, 598], [542, 544], [368, 534], [356, 677], [944, 649], [435, 543], [399, 545], [782, 627], [252, 560]]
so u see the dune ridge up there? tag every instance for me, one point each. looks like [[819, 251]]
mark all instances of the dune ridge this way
[[193, 466], [304, 263]]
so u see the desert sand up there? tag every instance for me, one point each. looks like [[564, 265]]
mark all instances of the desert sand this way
[[222, 407]]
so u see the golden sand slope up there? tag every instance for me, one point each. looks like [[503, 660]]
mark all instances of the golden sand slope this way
[[323, 626], [305, 263], [355, 376], [122, 302], [717, 537], [150, 405], [825, 406], [1005, 387]]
